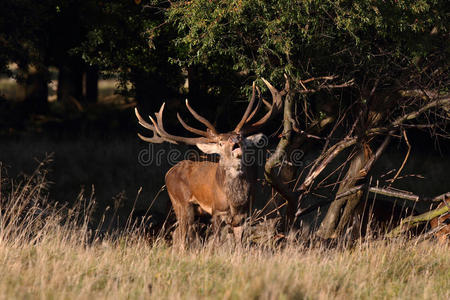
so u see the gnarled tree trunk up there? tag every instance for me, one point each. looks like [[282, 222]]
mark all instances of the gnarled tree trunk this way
[[341, 210]]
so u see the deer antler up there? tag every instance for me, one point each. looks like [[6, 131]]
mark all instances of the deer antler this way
[[247, 111], [161, 135], [156, 139], [201, 119], [211, 135], [274, 108]]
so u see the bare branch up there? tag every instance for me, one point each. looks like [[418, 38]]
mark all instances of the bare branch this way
[[275, 158], [318, 78], [325, 87], [413, 221], [326, 158], [377, 155], [413, 115], [398, 122], [404, 160], [393, 193]]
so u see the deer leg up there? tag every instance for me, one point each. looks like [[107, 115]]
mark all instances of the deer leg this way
[[217, 221], [185, 217], [190, 219], [238, 231], [238, 217]]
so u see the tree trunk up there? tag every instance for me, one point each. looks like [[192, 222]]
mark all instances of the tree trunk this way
[[336, 220], [335, 223], [36, 88], [70, 83], [90, 85], [280, 157]]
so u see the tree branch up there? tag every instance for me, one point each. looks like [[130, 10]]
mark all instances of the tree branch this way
[[393, 193], [438, 102], [280, 152], [325, 159], [413, 221]]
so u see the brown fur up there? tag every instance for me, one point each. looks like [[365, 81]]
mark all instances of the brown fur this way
[[222, 190]]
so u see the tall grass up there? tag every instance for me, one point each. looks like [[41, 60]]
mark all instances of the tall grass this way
[[51, 252]]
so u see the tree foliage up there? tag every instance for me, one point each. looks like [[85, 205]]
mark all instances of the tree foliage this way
[[361, 39]]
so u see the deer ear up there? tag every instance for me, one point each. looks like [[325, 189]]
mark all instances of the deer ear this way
[[256, 139], [209, 148]]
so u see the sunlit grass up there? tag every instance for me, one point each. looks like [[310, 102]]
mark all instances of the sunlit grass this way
[[51, 253]]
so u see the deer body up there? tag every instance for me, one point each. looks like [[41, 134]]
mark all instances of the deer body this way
[[197, 188], [223, 189]]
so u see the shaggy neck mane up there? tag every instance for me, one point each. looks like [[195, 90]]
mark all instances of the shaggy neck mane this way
[[235, 183]]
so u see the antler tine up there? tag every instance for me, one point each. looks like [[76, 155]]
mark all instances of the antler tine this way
[[247, 111], [258, 104], [274, 108], [160, 135], [200, 118], [159, 126], [142, 122], [156, 139], [267, 103], [192, 129]]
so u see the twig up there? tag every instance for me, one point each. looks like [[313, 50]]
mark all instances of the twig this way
[[312, 207], [318, 78], [396, 194], [328, 87], [404, 161]]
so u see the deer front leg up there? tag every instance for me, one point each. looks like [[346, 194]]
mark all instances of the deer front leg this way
[[238, 231], [217, 221], [184, 232], [238, 217]]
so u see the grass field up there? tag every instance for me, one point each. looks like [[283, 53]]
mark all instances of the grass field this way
[[61, 266], [50, 252]]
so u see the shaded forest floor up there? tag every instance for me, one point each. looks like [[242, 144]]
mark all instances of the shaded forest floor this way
[[91, 152]]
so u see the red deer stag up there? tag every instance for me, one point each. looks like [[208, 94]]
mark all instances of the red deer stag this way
[[224, 189]]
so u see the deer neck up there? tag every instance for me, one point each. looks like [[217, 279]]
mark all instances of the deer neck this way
[[236, 184]]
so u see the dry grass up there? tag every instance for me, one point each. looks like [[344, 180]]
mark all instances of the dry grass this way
[[51, 253]]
